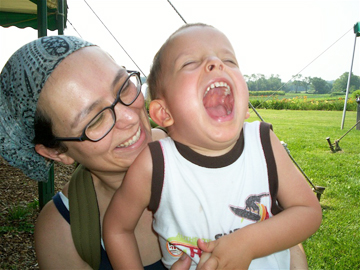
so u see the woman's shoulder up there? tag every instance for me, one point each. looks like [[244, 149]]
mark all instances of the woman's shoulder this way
[[49, 221], [158, 134], [54, 245]]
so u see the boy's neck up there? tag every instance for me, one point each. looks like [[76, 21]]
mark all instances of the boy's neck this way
[[212, 152], [212, 161]]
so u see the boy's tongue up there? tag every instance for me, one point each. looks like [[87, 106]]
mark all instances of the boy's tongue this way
[[217, 104]]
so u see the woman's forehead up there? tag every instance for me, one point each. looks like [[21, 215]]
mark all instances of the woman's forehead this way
[[79, 80], [87, 67]]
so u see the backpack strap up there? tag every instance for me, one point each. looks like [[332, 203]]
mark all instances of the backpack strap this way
[[85, 217]]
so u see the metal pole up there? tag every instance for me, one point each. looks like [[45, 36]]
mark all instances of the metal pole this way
[[42, 18], [252, 107], [348, 85], [358, 113], [317, 189], [46, 190], [60, 16]]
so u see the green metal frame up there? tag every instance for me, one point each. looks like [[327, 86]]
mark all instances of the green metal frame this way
[[46, 190], [23, 20], [357, 29]]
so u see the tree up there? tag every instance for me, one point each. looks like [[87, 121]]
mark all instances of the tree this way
[[258, 82], [320, 85], [306, 82], [261, 82], [274, 82], [340, 84], [297, 81]]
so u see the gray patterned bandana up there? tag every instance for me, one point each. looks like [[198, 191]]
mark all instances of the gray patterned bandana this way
[[21, 81]]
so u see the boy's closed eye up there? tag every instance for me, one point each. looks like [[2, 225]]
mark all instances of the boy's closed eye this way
[[189, 63], [230, 62]]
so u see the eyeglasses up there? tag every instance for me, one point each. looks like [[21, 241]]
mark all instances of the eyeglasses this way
[[105, 120]]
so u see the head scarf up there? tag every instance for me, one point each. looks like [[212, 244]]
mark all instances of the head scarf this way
[[21, 81]]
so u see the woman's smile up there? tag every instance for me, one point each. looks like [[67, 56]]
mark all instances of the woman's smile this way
[[132, 140]]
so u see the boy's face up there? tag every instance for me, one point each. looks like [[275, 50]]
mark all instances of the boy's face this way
[[205, 91]]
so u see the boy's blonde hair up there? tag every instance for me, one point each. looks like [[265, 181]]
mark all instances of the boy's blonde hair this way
[[155, 86]]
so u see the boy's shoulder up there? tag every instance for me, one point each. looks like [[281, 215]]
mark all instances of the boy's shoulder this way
[[257, 124]]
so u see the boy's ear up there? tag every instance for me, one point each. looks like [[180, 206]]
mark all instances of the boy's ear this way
[[53, 154], [247, 115], [160, 114]]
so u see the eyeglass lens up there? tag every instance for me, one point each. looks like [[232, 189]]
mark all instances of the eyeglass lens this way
[[102, 123], [130, 90]]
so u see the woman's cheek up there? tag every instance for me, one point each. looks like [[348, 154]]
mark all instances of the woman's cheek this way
[[140, 101]]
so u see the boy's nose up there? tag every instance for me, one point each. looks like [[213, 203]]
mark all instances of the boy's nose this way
[[214, 63]]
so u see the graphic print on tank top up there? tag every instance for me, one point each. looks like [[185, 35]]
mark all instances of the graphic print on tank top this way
[[254, 210]]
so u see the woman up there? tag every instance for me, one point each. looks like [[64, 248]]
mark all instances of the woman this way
[[66, 90], [63, 99]]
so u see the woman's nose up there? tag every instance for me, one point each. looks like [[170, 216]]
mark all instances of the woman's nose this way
[[214, 63], [126, 116]]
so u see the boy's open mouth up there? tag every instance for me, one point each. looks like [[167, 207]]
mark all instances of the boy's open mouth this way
[[218, 100]]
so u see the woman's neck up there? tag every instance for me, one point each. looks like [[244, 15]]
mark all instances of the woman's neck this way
[[107, 183]]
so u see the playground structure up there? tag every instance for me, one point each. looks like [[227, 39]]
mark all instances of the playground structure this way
[[319, 190], [357, 34], [335, 147]]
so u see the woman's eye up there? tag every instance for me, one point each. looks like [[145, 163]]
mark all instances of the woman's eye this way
[[125, 87], [96, 122]]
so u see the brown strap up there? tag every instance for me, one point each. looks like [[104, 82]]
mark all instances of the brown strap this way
[[157, 175], [85, 217], [271, 166]]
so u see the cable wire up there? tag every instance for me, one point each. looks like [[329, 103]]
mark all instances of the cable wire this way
[[304, 68], [116, 39], [177, 12], [74, 28]]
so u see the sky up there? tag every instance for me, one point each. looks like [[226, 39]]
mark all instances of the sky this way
[[312, 37]]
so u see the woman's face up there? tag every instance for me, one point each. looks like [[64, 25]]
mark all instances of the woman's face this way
[[84, 83]]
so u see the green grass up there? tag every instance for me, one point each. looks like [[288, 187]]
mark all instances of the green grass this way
[[19, 218], [336, 245]]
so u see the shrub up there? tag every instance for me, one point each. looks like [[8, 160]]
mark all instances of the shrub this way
[[266, 93], [304, 103], [355, 94], [337, 94]]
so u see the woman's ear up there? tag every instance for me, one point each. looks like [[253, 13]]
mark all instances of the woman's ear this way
[[160, 114], [53, 154]]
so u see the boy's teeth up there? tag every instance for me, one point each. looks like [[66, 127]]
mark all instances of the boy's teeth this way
[[219, 84], [133, 140]]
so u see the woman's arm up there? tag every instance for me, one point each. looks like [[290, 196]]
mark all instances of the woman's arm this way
[[124, 212], [299, 220], [298, 258], [54, 245]]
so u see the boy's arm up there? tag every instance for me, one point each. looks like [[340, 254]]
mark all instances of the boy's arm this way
[[299, 220], [124, 212]]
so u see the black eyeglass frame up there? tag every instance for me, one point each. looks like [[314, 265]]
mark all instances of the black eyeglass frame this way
[[83, 136]]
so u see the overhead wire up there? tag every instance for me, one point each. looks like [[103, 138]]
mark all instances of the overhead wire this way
[[318, 189], [302, 69], [182, 18], [177, 12], [251, 106], [116, 40], [74, 28]]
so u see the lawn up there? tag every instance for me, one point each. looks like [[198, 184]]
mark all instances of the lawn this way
[[336, 245]]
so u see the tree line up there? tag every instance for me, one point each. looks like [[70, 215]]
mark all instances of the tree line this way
[[299, 83]]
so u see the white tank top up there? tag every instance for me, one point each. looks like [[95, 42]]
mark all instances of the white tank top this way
[[208, 197]]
